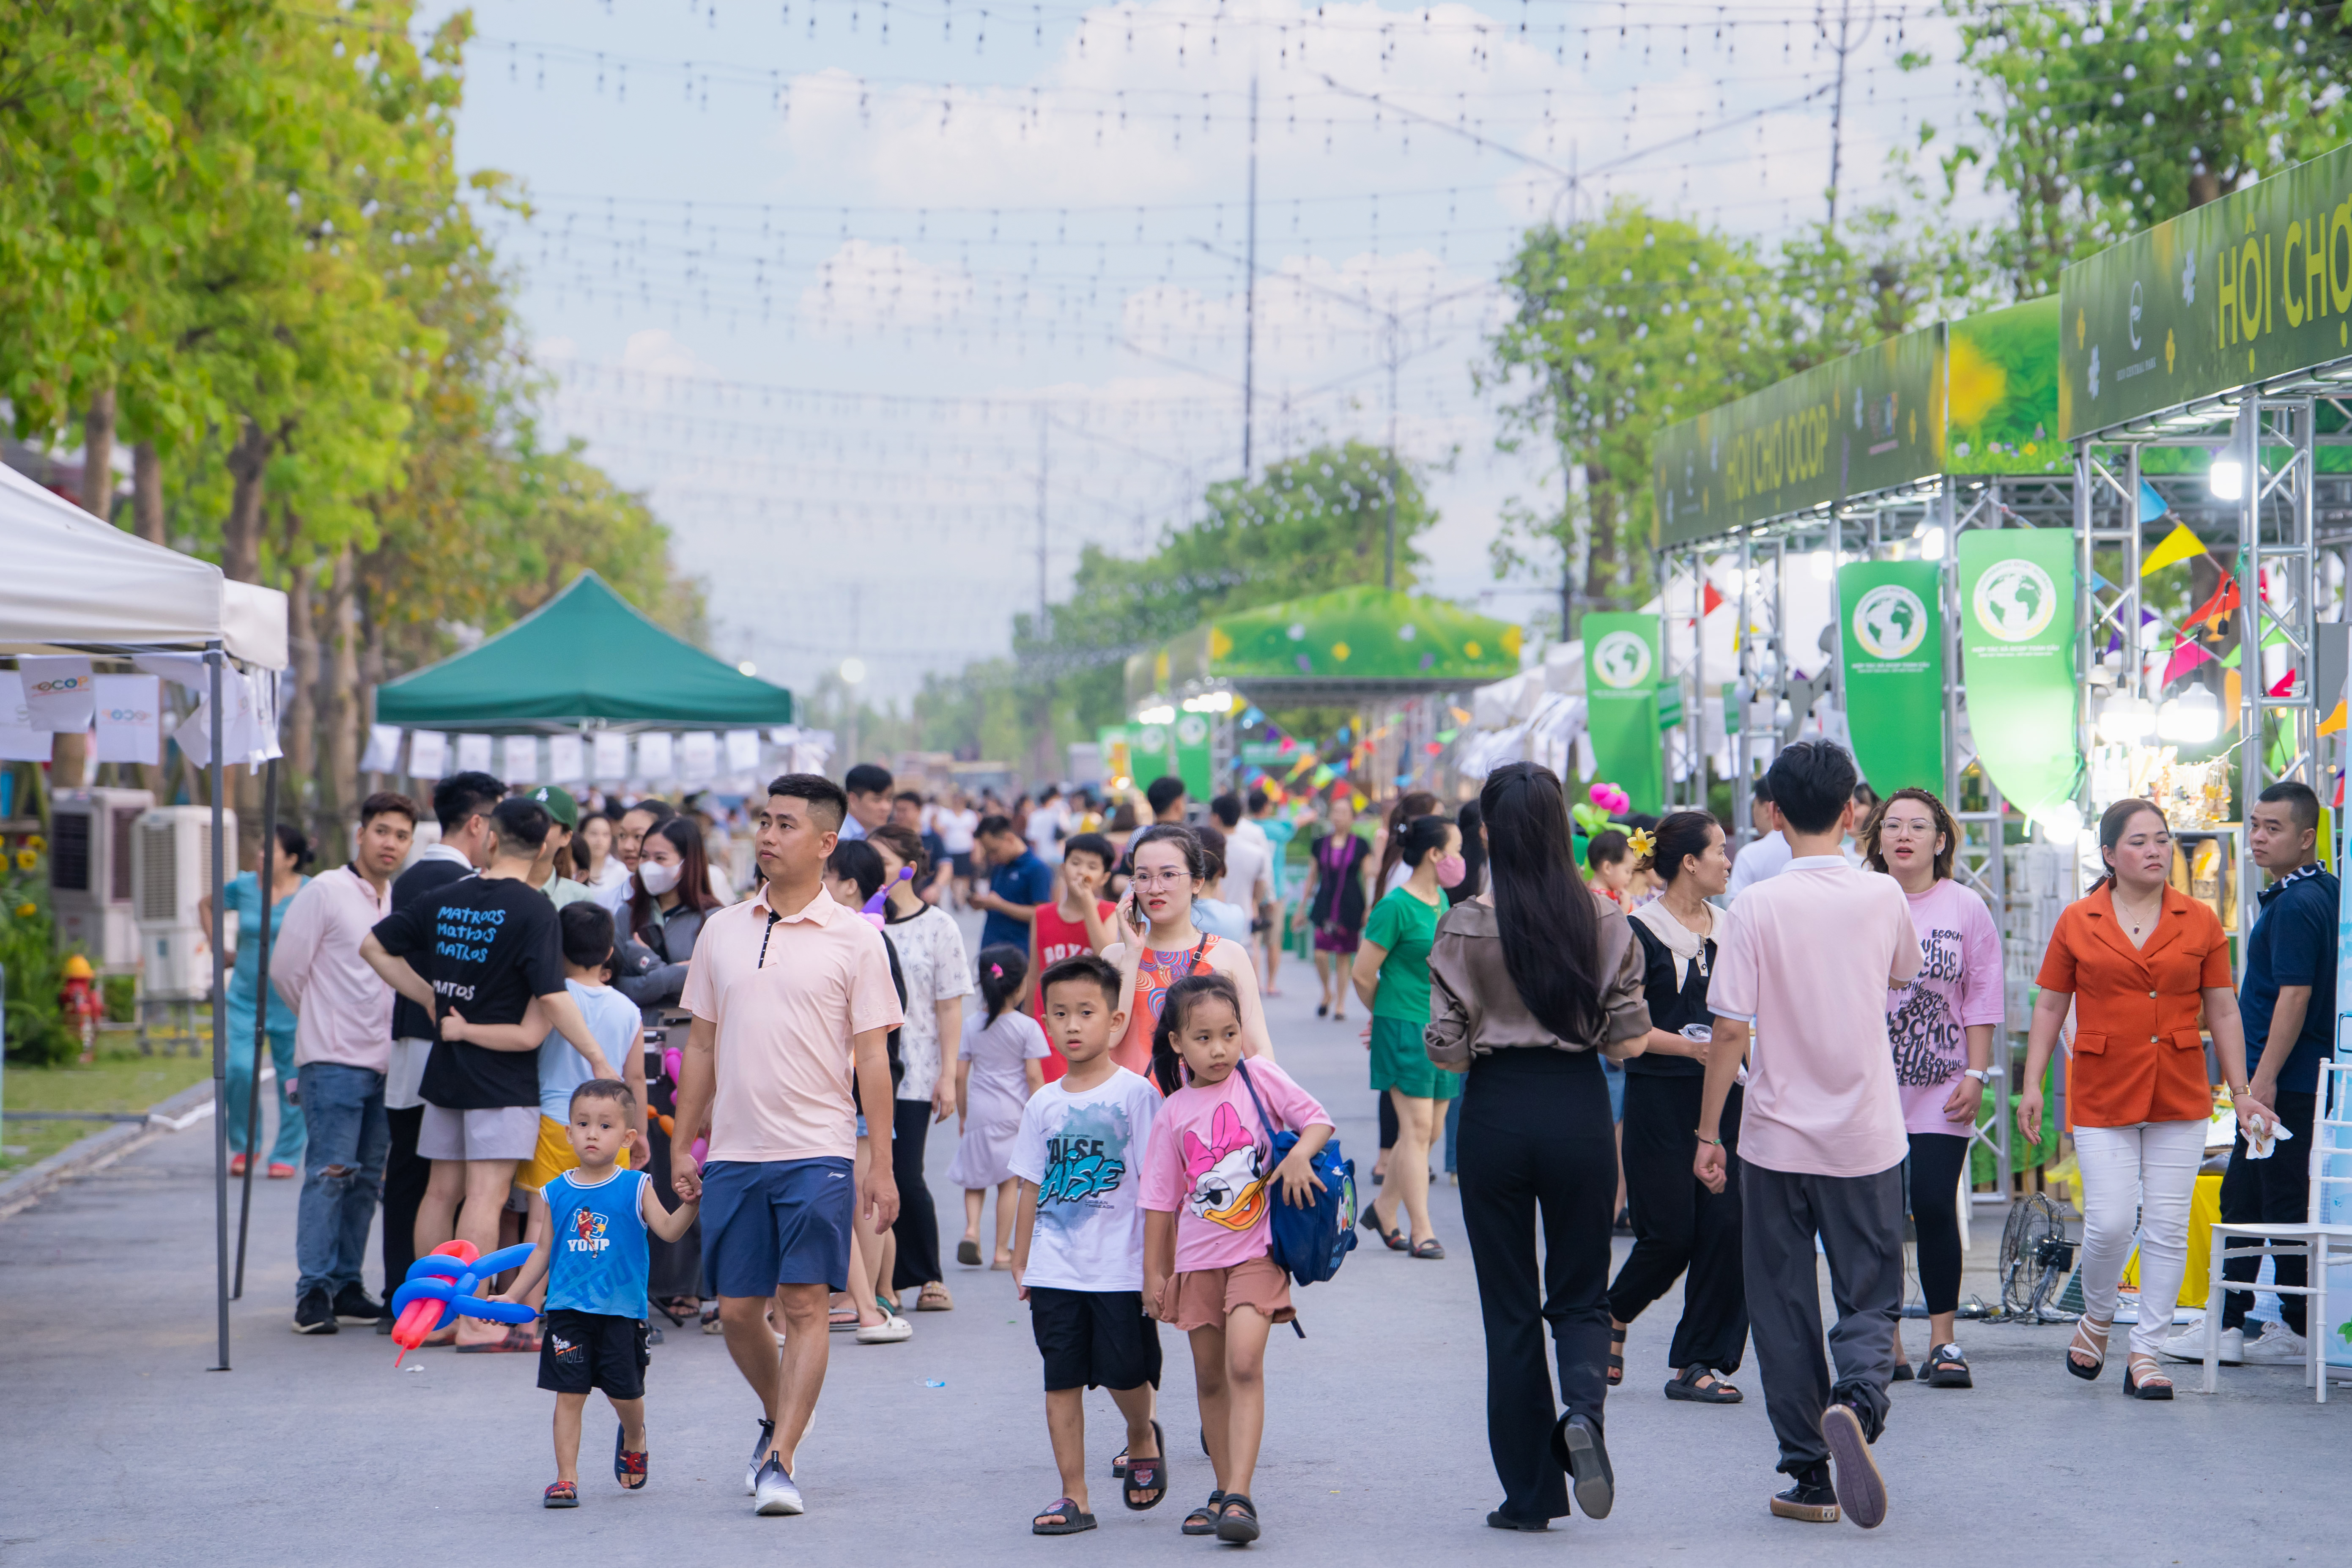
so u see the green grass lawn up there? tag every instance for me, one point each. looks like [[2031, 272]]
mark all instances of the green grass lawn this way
[[120, 1079]]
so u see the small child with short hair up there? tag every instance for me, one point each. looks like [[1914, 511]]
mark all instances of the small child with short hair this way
[[1609, 862], [590, 1225], [1077, 1246]]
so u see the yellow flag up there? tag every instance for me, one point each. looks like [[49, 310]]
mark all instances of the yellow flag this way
[[2179, 545], [2335, 720]]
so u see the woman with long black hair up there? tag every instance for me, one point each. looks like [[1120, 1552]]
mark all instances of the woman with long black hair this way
[[1532, 984]]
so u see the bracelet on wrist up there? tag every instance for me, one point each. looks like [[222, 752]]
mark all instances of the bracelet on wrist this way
[[1704, 1139]]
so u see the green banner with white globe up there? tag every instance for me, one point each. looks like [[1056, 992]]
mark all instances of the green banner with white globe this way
[[2017, 656], [1894, 647], [1622, 670]]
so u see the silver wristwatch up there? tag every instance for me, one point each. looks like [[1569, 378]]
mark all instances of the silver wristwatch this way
[[1982, 1075]]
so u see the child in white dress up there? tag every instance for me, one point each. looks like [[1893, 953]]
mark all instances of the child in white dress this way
[[1000, 1065]]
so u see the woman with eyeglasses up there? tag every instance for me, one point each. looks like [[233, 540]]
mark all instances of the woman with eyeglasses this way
[[1160, 943]]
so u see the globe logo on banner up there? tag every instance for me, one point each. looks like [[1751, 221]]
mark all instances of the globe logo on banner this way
[[1890, 622], [2014, 599], [1192, 730], [1152, 738], [1621, 659]]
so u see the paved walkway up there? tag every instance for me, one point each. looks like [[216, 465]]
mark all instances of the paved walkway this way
[[127, 1450]]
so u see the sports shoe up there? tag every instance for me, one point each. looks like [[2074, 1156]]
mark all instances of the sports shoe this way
[[759, 1454], [1811, 1499], [892, 1330], [2279, 1346], [314, 1314], [775, 1491], [2189, 1345], [353, 1305], [1861, 1489]]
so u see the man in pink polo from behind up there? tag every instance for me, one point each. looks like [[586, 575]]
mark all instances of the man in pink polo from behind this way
[[791, 997], [1803, 968]]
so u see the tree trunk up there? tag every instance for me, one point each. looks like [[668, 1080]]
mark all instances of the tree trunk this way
[[147, 492], [97, 456], [344, 715], [1601, 540], [241, 533], [301, 709], [69, 760]]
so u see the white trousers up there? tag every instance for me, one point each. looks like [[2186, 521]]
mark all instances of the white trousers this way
[[2145, 1174]]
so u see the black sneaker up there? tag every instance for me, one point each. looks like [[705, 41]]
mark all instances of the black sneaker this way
[[354, 1306], [1812, 1499], [384, 1325], [315, 1314]]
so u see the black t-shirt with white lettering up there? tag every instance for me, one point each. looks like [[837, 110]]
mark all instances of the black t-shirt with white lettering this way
[[494, 944]]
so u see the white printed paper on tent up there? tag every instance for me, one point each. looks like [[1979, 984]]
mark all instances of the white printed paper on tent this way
[[60, 693], [262, 687], [563, 760], [698, 754], [383, 754], [130, 718], [428, 754], [473, 754], [19, 741], [612, 755], [195, 735], [518, 759], [654, 757], [742, 751]]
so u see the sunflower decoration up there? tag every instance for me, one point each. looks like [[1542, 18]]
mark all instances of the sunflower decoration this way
[[27, 912], [27, 858], [1641, 843]]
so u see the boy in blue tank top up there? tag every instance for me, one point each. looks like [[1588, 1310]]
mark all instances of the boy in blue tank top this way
[[590, 1227]]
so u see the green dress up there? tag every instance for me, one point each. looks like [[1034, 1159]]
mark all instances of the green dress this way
[[1405, 926]]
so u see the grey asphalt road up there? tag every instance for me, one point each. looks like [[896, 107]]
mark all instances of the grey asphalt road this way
[[127, 1450]]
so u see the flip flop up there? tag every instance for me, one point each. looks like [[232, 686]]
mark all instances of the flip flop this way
[[628, 1461], [562, 1494], [1072, 1520], [1149, 1476], [968, 1253]]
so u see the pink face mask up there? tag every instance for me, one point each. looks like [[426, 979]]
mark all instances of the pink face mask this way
[[1451, 869]]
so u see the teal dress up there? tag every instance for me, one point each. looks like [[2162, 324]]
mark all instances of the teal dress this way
[[1406, 927], [243, 897]]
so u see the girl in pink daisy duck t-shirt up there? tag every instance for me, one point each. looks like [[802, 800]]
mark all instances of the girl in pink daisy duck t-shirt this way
[[1208, 1201]]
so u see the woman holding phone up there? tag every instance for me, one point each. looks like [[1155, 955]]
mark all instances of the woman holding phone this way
[[1160, 944]]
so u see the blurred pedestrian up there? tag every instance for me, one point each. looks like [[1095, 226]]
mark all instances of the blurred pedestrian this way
[[1336, 899], [1391, 975], [285, 857], [868, 787], [931, 959]]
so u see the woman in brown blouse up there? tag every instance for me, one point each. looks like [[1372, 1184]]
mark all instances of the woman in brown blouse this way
[[1530, 985]]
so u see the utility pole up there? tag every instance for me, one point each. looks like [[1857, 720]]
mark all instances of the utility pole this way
[[1387, 573], [1043, 613], [1567, 546], [1249, 308], [1845, 47]]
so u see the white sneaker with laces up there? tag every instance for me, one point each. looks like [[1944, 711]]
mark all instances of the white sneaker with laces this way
[[776, 1492], [2279, 1346], [2188, 1346]]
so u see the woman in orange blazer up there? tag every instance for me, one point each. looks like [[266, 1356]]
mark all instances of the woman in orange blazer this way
[[2141, 964]]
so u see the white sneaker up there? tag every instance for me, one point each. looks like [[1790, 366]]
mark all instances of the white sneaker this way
[[2279, 1346], [892, 1330], [759, 1456], [776, 1492], [2189, 1345]]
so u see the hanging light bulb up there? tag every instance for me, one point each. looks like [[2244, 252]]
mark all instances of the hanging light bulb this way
[[2192, 718], [2226, 479], [2126, 721]]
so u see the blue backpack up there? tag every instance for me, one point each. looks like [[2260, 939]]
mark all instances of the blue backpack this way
[[1311, 1242]]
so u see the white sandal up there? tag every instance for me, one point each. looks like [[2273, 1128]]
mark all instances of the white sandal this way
[[2083, 1342]]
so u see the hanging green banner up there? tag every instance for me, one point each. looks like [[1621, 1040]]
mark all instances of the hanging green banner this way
[[1894, 647], [1193, 763], [1621, 661], [2017, 653]]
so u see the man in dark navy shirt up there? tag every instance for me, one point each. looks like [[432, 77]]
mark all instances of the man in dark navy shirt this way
[[2288, 1008]]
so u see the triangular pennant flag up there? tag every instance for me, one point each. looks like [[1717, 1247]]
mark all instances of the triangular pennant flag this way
[[2185, 658], [2152, 504], [2224, 600], [1709, 600], [2285, 687], [2330, 725], [2179, 545]]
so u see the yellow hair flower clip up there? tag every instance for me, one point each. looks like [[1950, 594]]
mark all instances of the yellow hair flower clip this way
[[1641, 843]]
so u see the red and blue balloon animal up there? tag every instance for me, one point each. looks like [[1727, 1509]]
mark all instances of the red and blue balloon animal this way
[[440, 1288]]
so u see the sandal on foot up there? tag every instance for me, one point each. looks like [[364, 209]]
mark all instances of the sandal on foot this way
[[1617, 1353], [1430, 1248], [628, 1464], [2085, 1343], [1148, 1475], [710, 1323], [1237, 1520], [968, 1253], [1371, 1220], [935, 1298], [1202, 1521], [1701, 1386], [562, 1494], [1061, 1517], [2149, 1385], [1948, 1367], [841, 1317]]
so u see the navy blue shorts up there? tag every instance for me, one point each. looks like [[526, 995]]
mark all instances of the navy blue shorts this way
[[776, 1221]]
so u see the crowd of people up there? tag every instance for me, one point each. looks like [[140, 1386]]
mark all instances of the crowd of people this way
[[561, 1024]]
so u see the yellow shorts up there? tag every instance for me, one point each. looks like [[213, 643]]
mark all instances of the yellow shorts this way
[[552, 1157]]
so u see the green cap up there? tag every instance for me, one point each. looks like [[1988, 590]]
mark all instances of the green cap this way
[[559, 805]]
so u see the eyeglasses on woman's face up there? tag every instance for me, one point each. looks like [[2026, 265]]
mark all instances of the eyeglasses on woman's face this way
[[1165, 876]]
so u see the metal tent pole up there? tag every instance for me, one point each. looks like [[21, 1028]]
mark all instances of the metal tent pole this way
[[214, 659], [267, 876]]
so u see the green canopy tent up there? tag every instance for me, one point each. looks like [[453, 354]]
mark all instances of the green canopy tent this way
[[586, 657]]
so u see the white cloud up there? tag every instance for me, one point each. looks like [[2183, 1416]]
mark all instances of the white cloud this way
[[865, 286]]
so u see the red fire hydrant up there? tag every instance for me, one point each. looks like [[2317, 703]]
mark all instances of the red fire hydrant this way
[[79, 1001]]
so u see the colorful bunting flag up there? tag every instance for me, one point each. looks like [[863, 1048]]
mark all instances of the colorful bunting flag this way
[[2179, 545]]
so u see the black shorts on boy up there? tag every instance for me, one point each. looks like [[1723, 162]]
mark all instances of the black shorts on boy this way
[[579, 1352], [1094, 1339]]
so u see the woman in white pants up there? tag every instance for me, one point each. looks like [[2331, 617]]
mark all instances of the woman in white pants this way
[[2140, 963]]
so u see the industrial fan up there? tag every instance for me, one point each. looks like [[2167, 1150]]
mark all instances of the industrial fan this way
[[2036, 1257]]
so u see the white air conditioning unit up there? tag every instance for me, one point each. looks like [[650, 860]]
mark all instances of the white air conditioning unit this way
[[173, 868], [90, 873]]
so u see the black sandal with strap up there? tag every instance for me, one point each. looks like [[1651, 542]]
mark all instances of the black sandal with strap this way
[[1617, 1353], [1069, 1518], [1698, 1384], [1202, 1521], [1237, 1521], [1148, 1475]]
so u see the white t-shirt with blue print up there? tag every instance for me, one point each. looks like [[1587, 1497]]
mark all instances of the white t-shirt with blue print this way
[[1085, 1150]]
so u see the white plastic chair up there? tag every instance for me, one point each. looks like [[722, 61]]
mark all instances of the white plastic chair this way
[[2322, 1243]]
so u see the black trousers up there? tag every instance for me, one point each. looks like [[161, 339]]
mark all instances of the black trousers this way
[[404, 1179], [1678, 1224], [917, 1228], [673, 1267], [2278, 1188], [1388, 1121], [1935, 1162], [1860, 1222], [1538, 1150]]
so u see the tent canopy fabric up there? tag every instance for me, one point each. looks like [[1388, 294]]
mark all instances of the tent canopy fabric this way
[[76, 582], [585, 656], [1347, 645]]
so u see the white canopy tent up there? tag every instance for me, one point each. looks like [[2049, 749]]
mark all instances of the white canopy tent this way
[[74, 584]]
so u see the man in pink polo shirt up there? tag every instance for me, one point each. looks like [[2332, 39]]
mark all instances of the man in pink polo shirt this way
[[1802, 971], [792, 996]]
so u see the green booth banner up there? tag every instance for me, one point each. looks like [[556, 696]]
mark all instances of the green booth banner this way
[[2254, 286], [2017, 653], [1150, 753], [1893, 652], [1194, 765], [1623, 666], [1350, 640]]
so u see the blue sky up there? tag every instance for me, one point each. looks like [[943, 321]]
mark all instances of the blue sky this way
[[825, 278]]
